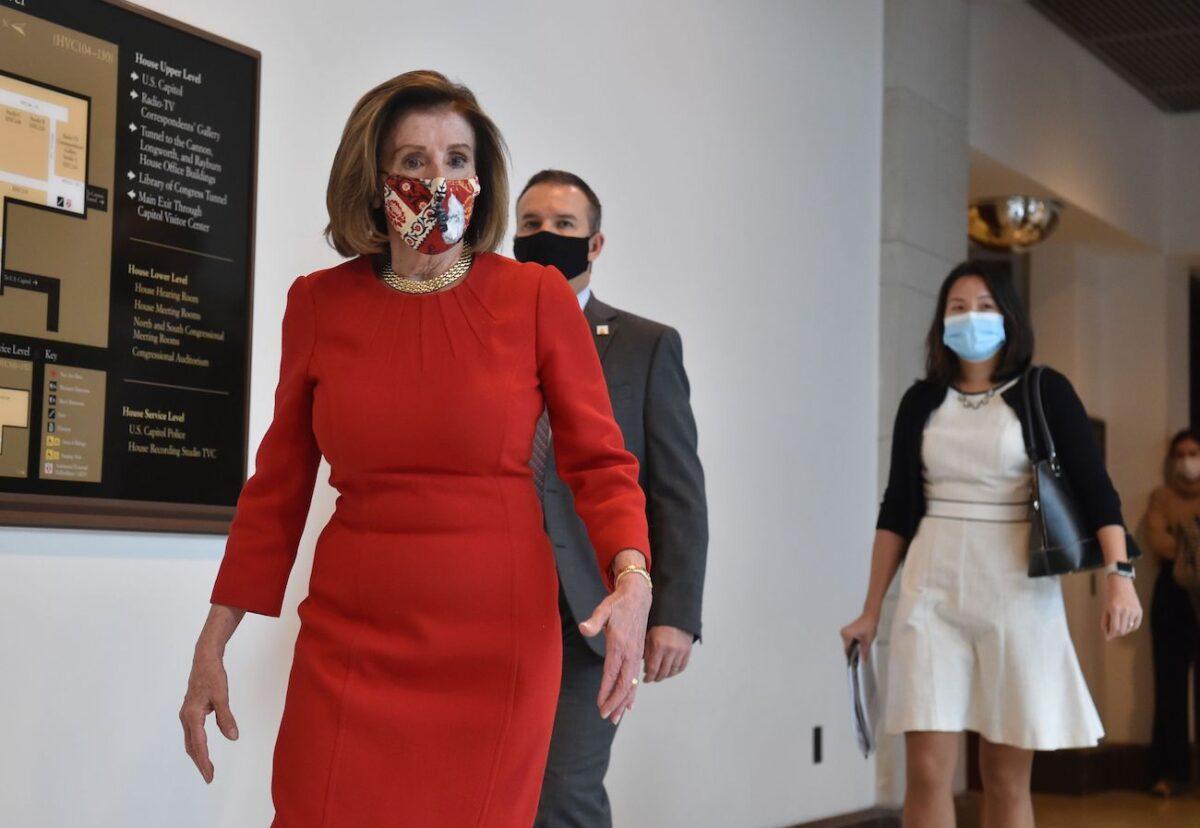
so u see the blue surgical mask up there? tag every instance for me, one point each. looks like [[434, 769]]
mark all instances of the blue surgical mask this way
[[976, 336]]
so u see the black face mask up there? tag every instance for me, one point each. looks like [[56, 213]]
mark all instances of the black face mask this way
[[568, 253]]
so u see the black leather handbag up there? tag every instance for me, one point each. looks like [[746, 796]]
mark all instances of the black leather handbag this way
[[1059, 539]]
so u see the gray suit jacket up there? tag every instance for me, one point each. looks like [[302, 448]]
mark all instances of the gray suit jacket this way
[[643, 364]]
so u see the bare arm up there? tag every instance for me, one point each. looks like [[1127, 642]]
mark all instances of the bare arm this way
[[885, 560], [623, 616], [1112, 543], [208, 687], [1122, 609], [218, 629], [886, 554]]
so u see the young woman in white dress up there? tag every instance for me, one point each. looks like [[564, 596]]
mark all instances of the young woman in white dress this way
[[976, 644]]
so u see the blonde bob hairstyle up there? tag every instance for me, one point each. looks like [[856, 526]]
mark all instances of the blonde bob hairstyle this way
[[357, 224]]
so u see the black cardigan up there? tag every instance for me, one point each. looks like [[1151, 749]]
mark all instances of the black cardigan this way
[[904, 501]]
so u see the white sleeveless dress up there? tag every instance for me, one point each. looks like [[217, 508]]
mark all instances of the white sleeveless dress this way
[[976, 644]]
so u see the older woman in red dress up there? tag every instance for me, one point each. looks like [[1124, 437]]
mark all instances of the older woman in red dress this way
[[427, 666]]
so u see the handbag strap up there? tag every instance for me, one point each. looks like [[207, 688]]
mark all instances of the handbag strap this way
[[1040, 428], [1030, 426]]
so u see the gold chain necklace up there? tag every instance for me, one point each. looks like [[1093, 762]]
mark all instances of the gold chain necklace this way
[[449, 276]]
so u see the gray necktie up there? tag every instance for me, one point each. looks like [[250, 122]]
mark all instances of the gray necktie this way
[[540, 456]]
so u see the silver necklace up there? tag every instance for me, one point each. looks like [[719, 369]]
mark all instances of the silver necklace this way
[[985, 397]]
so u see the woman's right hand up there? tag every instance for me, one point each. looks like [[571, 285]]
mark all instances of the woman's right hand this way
[[207, 692], [861, 629]]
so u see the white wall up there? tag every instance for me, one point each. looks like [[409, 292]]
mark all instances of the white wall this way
[[737, 150], [1183, 185], [1179, 271]]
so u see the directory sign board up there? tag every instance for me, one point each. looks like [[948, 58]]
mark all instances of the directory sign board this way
[[127, 161]]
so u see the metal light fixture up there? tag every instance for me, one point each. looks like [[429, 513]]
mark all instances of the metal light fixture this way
[[1012, 222]]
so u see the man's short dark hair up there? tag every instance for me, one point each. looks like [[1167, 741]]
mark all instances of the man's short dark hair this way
[[570, 180]]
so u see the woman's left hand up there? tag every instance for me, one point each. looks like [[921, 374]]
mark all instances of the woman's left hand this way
[[1122, 609], [623, 616]]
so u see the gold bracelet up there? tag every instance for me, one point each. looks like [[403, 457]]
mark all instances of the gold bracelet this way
[[641, 570]]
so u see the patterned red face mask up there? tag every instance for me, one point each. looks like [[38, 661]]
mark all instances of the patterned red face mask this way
[[431, 214]]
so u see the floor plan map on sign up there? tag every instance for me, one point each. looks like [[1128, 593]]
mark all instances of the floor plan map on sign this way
[[58, 93], [58, 96], [43, 145]]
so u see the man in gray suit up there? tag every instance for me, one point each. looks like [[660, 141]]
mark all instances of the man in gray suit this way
[[558, 223]]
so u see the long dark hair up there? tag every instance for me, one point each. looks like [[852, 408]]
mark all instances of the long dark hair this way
[[1181, 436], [941, 364]]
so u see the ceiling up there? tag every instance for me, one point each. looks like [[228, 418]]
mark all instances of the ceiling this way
[[1152, 44]]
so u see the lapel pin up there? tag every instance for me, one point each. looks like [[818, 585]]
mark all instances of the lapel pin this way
[[602, 330]]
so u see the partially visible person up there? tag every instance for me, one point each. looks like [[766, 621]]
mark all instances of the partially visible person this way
[[976, 644], [1171, 524], [558, 223]]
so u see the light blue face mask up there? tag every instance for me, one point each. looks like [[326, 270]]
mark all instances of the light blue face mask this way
[[976, 336]]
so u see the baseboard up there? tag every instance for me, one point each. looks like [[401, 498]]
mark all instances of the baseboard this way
[[870, 818], [1109, 767], [965, 806]]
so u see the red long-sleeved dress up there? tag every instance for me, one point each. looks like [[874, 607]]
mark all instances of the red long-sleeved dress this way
[[427, 667]]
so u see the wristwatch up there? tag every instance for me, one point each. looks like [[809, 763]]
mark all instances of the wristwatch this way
[[1122, 568]]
